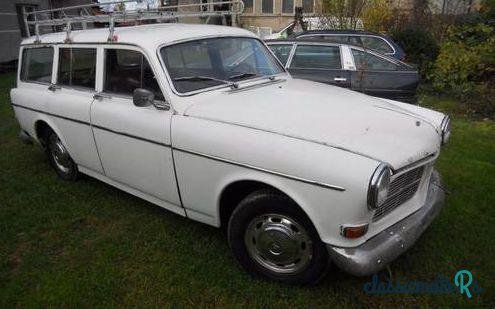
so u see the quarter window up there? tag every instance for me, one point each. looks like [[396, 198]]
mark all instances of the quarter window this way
[[126, 70], [282, 52], [77, 67], [377, 44], [316, 57], [37, 64], [367, 61]]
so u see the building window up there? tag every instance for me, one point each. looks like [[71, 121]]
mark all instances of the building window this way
[[308, 6], [288, 6], [267, 6], [248, 6]]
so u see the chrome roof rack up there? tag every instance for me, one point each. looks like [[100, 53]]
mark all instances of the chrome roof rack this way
[[113, 13]]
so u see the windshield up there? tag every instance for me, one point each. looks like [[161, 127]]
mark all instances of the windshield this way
[[221, 61]]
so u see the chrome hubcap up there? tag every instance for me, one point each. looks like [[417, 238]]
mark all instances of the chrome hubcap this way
[[278, 243], [60, 155]]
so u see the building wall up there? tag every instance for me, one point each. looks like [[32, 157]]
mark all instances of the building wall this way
[[276, 20], [10, 30]]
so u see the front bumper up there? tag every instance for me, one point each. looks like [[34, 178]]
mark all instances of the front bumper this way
[[387, 245]]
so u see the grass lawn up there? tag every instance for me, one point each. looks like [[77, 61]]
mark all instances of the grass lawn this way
[[88, 244]]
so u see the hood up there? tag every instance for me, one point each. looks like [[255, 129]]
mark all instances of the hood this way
[[327, 115]]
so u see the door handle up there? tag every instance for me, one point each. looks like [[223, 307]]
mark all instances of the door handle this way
[[101, 96], [54, 88], [340, 79]]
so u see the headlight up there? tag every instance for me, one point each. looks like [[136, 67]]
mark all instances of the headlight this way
[[379, 185], [445, 127]]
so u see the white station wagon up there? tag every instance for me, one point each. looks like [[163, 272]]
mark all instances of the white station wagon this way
[[205, 122]]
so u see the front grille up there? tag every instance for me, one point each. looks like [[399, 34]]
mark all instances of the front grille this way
[[402, 188]]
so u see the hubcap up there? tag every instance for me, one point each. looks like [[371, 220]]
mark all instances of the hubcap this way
[[60, 155], [278, 243]]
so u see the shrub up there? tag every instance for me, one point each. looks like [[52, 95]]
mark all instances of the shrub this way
[[465, 67], [420, 47]]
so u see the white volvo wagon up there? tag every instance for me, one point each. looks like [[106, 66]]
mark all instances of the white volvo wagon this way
[[205, 122]]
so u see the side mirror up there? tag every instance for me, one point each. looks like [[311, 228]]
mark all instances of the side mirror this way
[[143, 97]]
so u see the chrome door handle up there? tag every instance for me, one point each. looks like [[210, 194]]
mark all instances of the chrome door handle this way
[[54, 88], [340, 79]]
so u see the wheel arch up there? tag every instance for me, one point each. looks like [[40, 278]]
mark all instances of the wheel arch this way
[[42, 125], [235, 191]]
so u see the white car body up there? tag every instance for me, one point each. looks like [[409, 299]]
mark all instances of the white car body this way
[[316, 143]]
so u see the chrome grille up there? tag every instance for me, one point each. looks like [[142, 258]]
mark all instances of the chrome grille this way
[[402, 188]]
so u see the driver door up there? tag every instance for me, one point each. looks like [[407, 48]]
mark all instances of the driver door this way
[[133, 142]]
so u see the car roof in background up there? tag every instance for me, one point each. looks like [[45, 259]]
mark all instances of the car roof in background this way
[[330, 31]]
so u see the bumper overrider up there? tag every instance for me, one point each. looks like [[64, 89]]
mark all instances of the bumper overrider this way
[[387, 245]]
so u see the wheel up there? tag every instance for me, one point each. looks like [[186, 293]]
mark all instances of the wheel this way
[[273, 238], [60, 158]]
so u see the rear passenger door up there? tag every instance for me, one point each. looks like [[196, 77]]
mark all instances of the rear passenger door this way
[[134, 142], [70, 100], [319, 63]]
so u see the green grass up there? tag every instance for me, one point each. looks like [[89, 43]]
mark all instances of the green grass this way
[[88, 244]]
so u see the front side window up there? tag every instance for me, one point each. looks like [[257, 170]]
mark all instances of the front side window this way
[[316, 57], [126, 70], [287, 6], [367, 61], [212, 62], [37, 64], [77, 67], [377, 44], [267, 6], [281, 51]]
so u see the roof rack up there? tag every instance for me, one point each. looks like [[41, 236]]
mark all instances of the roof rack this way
[[113, 13]]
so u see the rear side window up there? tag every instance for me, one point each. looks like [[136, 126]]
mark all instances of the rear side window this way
[[316, 57], [367, 61], [377, 44], [77, 67], [282, 52], [126, 70], [37, 64]]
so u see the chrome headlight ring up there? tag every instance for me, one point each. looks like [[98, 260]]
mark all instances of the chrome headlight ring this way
[[445, 127], [379, 186]]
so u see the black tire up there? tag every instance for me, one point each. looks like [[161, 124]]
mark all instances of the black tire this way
[[266, 203], [65, 167]]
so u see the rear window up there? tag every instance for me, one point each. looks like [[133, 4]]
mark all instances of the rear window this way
[[77, 67], [37, 64], [316, 57], [377, 44]]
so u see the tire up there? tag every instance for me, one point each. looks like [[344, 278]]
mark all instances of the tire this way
[[272, 237], [60, 159]]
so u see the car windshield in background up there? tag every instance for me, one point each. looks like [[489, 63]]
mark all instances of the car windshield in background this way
[[208, 63]]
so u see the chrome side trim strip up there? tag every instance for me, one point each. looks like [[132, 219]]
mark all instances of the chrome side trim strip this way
[[320, 184], [316, 183]]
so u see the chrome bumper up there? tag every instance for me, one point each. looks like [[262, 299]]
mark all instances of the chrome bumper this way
[[387, 245]]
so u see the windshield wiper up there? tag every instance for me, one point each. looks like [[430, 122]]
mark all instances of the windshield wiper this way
[[204, 78], [242, 75]]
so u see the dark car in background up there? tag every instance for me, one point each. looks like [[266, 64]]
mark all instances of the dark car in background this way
[[370, 40], [348, 66]]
